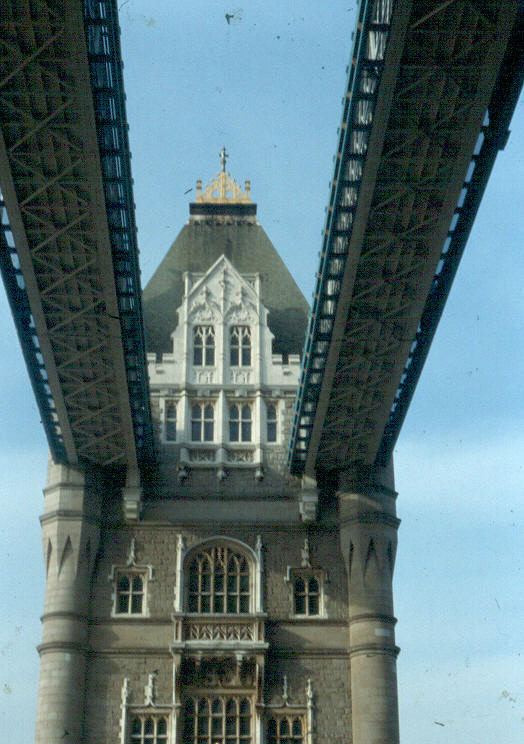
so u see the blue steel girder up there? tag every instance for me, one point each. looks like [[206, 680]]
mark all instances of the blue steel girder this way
[[422, 78], [69, 256]]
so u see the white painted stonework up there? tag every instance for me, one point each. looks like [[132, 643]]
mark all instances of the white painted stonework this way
[[221, 299]]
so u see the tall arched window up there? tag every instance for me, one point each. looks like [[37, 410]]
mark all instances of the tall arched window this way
[[240, 346], [271, 420], [202, 422], [219, 581], [217, 720], [203, 346], [240, 423]]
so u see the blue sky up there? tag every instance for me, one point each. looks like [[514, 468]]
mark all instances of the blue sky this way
[[268, 86]]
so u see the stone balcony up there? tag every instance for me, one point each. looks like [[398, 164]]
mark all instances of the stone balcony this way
[[226, 634]]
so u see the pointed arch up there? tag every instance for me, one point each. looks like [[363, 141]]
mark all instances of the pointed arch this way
[[49, 553], [371, 555], [222, 575], [67, 555]]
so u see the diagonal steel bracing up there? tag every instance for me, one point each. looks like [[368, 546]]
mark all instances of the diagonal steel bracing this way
[[431, 89], [71, 268]]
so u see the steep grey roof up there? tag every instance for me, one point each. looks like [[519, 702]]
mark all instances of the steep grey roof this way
[[243, 241]]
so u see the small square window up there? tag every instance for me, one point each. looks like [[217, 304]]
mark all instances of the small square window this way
[[306, 591], [130, 593]]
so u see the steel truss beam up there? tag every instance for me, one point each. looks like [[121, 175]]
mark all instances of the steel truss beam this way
[[74, 259], [409, 134]]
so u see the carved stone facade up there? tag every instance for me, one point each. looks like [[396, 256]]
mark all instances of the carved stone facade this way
[[221, 392]]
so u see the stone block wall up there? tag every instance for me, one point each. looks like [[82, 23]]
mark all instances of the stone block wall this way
[[306, 648]]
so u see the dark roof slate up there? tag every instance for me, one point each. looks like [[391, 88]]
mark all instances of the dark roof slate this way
[[246, 245]]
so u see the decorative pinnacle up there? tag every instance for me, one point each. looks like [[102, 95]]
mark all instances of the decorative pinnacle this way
[[223, 156], [223, 189], [285, 691]]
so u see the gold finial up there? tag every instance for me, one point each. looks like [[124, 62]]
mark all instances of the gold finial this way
[[223, 189]]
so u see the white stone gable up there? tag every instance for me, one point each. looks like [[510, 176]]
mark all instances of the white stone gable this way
[[222, 295]]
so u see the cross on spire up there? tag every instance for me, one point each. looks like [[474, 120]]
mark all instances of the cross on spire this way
[[223, 156]]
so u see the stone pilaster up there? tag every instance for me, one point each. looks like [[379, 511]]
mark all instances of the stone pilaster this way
[[368, 535], [308, 500], [70, 537]]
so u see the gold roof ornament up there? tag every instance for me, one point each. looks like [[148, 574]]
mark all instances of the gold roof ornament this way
[[223, 189]]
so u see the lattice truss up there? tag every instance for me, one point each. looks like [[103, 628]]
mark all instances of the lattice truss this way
[[53, 190], [376, 282]]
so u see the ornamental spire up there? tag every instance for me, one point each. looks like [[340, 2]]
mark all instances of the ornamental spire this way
[[223, 189], [223, 156]]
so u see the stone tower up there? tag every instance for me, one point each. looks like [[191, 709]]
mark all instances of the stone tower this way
[[209, 604]]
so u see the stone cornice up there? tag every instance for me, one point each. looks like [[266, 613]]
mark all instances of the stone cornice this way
[[374, 649], [366, 616], [373, 517]]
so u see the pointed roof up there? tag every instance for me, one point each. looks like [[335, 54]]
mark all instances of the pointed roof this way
[[228, 228]]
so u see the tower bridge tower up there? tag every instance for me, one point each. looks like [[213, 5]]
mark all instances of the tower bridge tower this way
[[211, 605]]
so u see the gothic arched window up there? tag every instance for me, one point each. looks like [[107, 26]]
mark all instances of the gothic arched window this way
[[203, 346], [271, 420], [240, 423], [147, 729], [219, 581], [284, 729], [202, 422], [217, 720], [240, 346]]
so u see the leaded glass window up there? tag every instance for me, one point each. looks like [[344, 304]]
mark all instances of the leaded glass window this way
[[219, 581], [240, 423], [271, 419], [202, 422], [284, 729], [147, 729], [240, 346], [129, 593], [217, 720], [306, 590], [203, 346]]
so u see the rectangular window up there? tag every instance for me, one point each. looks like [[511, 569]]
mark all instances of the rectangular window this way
[[202, 422], [306, 595], [217, 720], [240, 423], [148, 729], [130, 589], [285, 729]]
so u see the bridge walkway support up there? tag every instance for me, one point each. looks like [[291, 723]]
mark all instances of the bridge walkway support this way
[[368, 536], [70, 537]]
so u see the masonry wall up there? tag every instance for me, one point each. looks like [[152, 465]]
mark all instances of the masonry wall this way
[[303, 648]]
